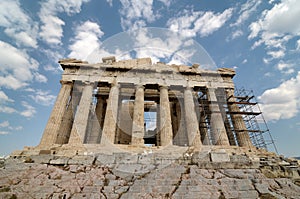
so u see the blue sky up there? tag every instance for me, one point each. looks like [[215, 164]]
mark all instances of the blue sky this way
[[260, 39]]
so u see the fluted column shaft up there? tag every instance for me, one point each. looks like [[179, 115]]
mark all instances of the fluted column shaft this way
[[81, 118], [192, 126], [138, 117], [111, 115], [66, 126], [166, 134], [52, 128], [238, 122], [218, 131]]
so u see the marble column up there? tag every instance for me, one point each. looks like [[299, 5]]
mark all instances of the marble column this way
[[238, 123], [192, 126], [181, 136], [52, 128], [137, 137], [81, 119], [111, 115], [66, 125], [166, 134], [218, 131]]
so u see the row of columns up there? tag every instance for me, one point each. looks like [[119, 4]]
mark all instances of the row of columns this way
[[78, 117]]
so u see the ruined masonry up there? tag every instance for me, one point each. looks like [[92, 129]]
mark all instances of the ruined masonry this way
[[106, 103], [133, 129]]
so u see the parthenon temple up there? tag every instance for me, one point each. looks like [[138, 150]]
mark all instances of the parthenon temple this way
[[138, 103]]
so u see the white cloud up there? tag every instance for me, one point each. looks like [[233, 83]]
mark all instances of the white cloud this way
[[284, 67], [276, 54], [282, 102], [191, 23], [277, 26], [298, 45], [244, 61], [136, 13], [4, 98], [236, 34], [40, 78], [29, 110], [17, 24], [53, 69], [4, 132], [110, 2], [86, 40], [247, 9], [43, 97], [4, 124], [16, 67], [51, 30], [6, 109], [16, 128]]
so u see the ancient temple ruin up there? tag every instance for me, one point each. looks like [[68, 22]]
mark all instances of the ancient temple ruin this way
[[108, 103]]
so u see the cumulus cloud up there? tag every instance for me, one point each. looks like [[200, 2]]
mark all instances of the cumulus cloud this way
[[282, 102], [87, 39], [110, 2], [17, 68], [4, 132], [4, 124], [285, 67], [6, 109], [277, 26], [4, 98], [29, 110], [246, 10], [17, 24], [43, 97], [191, 23], [51, 29], [136, 13]]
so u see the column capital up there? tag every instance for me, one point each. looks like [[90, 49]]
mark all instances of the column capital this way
[[66, 82], [139, 86], [163, 87]]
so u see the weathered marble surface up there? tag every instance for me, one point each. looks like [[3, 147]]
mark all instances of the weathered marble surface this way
[[122, 175]]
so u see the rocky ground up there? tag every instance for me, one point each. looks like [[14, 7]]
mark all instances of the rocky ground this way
[[210, 175]]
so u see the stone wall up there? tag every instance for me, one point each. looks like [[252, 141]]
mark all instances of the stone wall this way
[[214, 174]]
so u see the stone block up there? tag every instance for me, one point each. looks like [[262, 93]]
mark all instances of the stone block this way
[[200, 157], [45, 152], [126, 158], [83, 160], [42, 159], [59, 161], [105, 159], [219, 157], [146, 159]]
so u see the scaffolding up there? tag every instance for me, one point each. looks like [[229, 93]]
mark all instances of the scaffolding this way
[[249, 109]]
